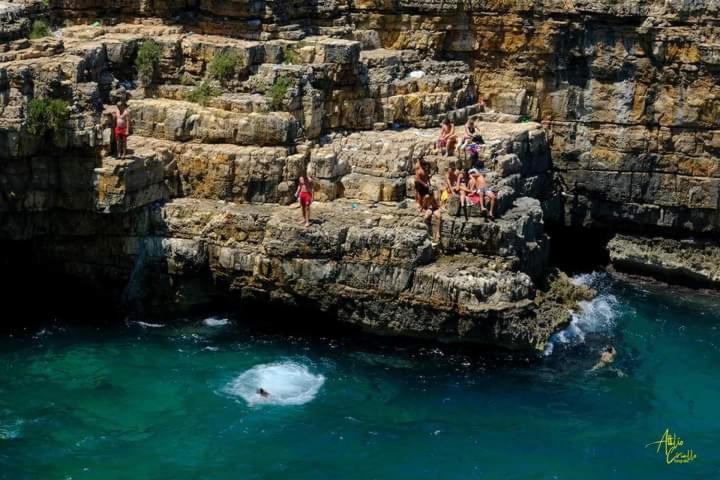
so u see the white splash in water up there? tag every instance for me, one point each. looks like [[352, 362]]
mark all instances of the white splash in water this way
[[150, 325], [595, 316], [287, 383], [216, 322]]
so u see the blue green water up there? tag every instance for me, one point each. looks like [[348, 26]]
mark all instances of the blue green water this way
[[152, 402]]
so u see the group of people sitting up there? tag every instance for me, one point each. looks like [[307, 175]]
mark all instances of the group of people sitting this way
[[448, 138], [470, 186]]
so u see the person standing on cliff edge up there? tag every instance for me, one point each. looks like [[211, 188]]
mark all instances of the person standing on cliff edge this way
[[122, 128], [304, 193]]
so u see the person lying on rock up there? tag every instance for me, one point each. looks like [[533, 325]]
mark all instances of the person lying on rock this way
[[447, 140], [304, 194], [479, 186], [122, 128], [422, 185], [431, 209], [451, 184]]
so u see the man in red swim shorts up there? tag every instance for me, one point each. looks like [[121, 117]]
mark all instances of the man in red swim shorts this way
[[122, 128], [305, 194]]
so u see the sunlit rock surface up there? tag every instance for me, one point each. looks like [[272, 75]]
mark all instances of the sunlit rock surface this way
[[587, 122]]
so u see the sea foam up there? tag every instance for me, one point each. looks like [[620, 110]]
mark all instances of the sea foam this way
[[216, 322], [595, 316], [288, 383], [10, 429], [150, 325]]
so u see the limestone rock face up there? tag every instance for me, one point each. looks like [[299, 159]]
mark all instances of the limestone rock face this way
[[695, 262], [199, 209], [375, 268]]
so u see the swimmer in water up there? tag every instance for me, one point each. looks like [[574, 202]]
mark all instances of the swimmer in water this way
[[262, 392], [607, 357]]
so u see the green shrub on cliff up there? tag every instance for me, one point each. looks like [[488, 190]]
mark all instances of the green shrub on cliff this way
[[47, 115], [202, 93], [290, 55], [147, 58], [224, 66], [187, 81], [278, 91], [39, 29]]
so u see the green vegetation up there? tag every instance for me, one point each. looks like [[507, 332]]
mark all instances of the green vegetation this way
[[187, 81], [202, 93], [224, 66], [48, 115], [278, 91], [147, 58], [39, 29], [292, 56]]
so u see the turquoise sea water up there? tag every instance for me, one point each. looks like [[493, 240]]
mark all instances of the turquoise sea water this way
[[152, 402]]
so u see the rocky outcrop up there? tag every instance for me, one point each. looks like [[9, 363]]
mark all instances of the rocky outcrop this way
[[688, 261], [369, 265], [352, 92], [627, 91]]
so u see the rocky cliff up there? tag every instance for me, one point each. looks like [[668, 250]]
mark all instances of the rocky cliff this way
[[201, 209], [627, 91], [595, 114]]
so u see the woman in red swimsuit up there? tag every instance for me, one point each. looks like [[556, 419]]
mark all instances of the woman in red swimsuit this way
[[305, 194]]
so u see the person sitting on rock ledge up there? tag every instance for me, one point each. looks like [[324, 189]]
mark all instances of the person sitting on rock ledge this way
[[122, 128], [462, 187], [483, 192], [470, 135], [430, 209], [422, 185], [448, 138], [304, 193], [451, 184]]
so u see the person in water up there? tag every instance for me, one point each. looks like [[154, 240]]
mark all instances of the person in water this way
[[304, 193], [262, 392], [607, 357], [122, 128]]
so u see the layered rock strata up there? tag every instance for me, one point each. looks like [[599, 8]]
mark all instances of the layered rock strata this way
[[198, 210], [690, 261]]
